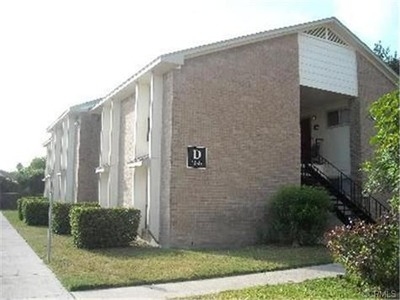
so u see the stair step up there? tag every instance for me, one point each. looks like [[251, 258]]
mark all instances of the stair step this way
[[347, 206]]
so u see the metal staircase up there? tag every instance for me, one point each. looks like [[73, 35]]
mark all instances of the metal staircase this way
[[349, 201]]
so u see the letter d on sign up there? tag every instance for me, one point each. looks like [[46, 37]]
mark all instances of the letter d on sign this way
[[196, 153]]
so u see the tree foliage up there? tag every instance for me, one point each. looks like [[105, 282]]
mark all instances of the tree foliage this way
[[30, 178], [384, 53], [369, 252], [383, 169]]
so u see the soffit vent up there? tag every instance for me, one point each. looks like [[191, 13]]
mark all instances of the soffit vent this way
[[326, 34]]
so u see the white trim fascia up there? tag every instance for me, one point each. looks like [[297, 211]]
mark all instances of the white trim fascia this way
[[58, 120], [129, 81], [174, 59], [47, 142], [249, 39], [78, 108]]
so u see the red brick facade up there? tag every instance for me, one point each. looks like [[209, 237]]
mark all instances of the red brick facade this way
[[243, 105]]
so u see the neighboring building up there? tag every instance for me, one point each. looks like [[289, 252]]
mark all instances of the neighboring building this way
[[72, 155]]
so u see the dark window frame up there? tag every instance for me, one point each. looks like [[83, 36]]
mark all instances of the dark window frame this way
[[342, 117]]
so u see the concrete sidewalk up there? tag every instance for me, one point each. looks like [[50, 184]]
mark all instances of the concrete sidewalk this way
[[23, 274], [208, 286]]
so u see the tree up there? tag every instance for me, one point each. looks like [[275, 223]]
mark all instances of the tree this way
[[30, 178], [383, 169], [384, 53]]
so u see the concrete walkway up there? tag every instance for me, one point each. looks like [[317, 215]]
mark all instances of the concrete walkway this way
[[208, 286], [23, 274]]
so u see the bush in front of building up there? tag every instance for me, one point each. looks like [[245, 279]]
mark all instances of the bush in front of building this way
[[20, 204], [19, 208], [369, 252], [94, 227], [35, 212], [298, 215], [61, 218]]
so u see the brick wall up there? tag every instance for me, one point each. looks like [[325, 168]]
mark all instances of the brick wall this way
[[243, 105], [88, 158], [166, 159], [126, 151], [372, 84]]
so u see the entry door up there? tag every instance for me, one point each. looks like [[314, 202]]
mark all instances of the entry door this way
[[305, 126]]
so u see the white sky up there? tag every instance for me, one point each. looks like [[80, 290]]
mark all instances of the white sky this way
[[54, 54]]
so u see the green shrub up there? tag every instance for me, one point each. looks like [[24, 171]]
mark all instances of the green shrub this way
[[93, 227], [369, 252], [60, 215], [21, 200], [298, 214], [19, 208], [35, 211]]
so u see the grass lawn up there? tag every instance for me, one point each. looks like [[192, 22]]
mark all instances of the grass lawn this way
[[80, 269], [326, 288]]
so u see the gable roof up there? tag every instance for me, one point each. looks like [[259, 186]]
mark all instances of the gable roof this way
[[79, 108], [167, 61]]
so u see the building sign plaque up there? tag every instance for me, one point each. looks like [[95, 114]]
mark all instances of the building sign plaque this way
[[196, 157]]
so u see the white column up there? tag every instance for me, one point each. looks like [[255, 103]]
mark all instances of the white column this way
[[114, 152], [70, 157], [105, 135], [104, 158], [57, 162], [141, 147], [154, 176], [64, 161]]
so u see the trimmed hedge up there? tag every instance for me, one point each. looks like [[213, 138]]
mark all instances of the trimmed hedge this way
[[93, 227], [21, 200], [60, 215], [299, 215], [35, 212]]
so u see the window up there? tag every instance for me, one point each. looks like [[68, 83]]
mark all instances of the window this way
[[338, 117]]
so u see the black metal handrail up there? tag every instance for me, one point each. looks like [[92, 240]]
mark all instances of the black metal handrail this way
[[353, 191]]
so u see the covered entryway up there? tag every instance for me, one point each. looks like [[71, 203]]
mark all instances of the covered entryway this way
[[325, 127]]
